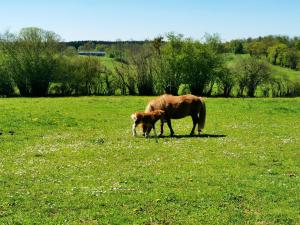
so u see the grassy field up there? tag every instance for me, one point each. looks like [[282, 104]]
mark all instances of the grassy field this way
[[108, 62], [278, 71], [74, 161]]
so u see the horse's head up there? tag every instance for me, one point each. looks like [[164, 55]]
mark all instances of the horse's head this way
[[158, 114]]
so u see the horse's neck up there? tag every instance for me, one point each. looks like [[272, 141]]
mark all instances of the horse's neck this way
[[162, 102]]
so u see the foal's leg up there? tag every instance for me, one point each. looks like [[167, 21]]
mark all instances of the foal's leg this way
[[134, 129], [170, 127], [147, 131], [155, 133]]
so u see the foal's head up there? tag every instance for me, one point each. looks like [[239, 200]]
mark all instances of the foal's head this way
[[156, 115]]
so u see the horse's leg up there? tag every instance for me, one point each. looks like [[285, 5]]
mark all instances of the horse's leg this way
[[170, 126], [201, 116], [195, 120], [161, 127]]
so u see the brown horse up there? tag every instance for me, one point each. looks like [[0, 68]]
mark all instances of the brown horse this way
[[177, 107]]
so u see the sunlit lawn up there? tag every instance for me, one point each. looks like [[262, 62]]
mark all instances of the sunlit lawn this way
[[74, 161]]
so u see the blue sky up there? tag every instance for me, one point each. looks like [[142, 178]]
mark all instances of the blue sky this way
[[145, 19]]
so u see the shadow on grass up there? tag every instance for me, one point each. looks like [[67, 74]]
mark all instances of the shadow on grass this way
[[193, 136]]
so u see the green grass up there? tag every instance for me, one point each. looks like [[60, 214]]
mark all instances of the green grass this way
[[110, 63], [74, 161], [231, 59], [278, 71]]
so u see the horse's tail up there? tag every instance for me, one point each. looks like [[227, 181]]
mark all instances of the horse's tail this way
[[202, 115]]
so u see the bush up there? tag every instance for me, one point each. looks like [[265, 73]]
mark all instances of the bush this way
[[184, 89], [296, 89], [79, 75], [31, 58], [6, 82], [251, 72]]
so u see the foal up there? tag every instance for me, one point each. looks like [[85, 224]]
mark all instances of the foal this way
[[148, 119]]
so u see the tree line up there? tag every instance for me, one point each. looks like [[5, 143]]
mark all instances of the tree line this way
[[35, 62], [278, 50]]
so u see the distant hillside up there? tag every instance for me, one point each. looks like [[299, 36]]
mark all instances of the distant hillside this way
[[277, 71], [109, 63]]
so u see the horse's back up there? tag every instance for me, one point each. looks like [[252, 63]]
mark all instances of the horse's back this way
[[177, 107]]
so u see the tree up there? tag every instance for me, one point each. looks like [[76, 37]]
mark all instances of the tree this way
[[257, 48], [141, 57], [70, 51], [291, 58], [6, 82], [186, 61], [226, 80], [237, 47], [214, 42], [117, 51], [89, 70], [251, 73], [157, 44], [126, 77], [88, 46], [200, 65], [168, 65], [32, 59], [100, 47], [80, 75], [275, 54]]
